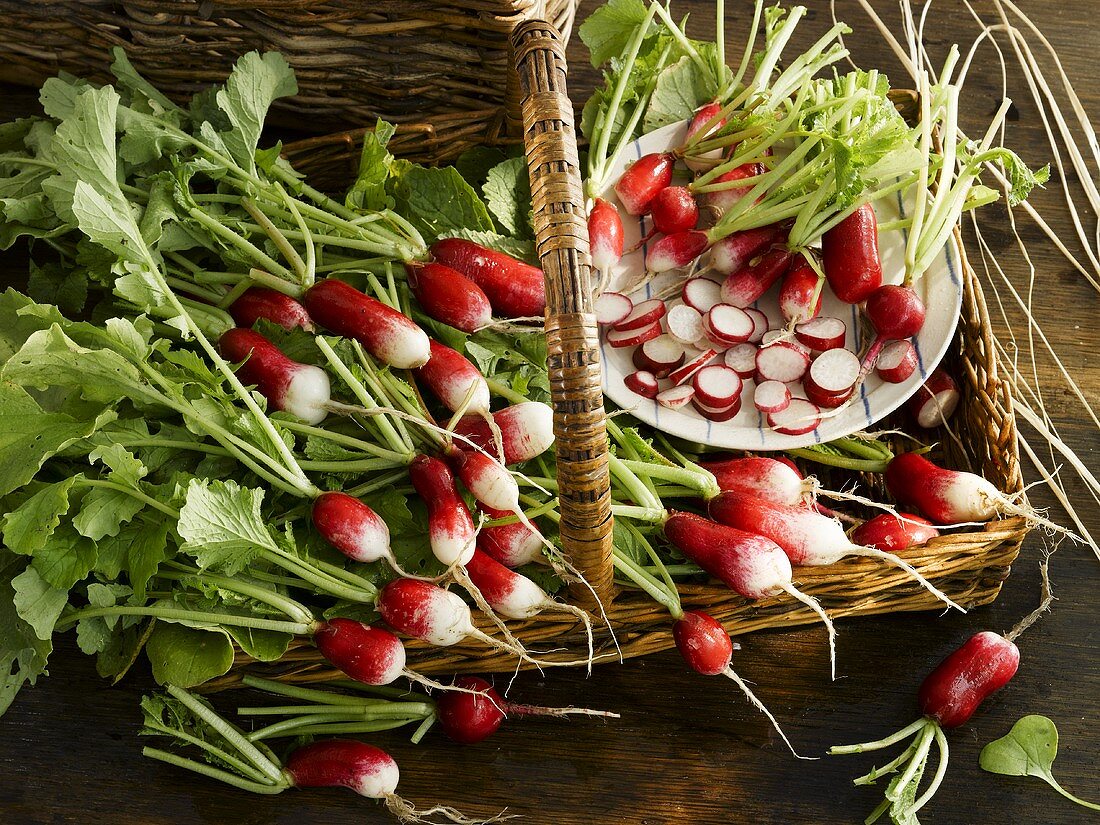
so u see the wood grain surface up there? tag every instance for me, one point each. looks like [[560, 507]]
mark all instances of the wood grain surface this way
[[687, 749]]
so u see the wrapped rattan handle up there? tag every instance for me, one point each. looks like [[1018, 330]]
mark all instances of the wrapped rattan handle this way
[[573, 347]]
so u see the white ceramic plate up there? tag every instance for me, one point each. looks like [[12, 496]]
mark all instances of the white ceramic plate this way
[[940, 288]]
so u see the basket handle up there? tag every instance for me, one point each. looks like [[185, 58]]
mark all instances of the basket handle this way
[[573, 348]]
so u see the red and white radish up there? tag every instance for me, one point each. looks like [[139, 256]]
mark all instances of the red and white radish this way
[[896, 362], [674, 210], [960, 683], [727, 325], [685, 372], [735, 251], [701, 294], [515, 289], [429, 613], [676, 397], [448, 296], [850, 256], [800, 293], [347, 763], [834, 372], [612, 308], [639, 185], [936, 401], [454, 380], [605, 235], [822, 333], [643, 383], [371, 655], [769, 478], [887, 531], [513, 545], [742, 359], [782, 361], [896, 313], [622, 338], [717, 414], [722, 200], [642, 315], [745, 286], [716, 386], [760, 324], [685, 324], [806, 537], [825, 400], [486, 478], [302, 390], [384, 332], [703, 115], [659, 356], [258, 302], [352, 527], [798, 418], [526, 429], [771, 397], [945, 496], [676, 251], [451, 530], [476, 711]]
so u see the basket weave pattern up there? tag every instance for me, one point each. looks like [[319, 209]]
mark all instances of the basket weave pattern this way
[[399, 60], [968, 565]]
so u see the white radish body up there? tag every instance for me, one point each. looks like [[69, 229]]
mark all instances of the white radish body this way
[[944, 496], [527, 430], [513, 545], [835, 371], [302, 390], [510, 594], [425, 611], [451, 530], [676, 251], [351, 527], [485, 477]]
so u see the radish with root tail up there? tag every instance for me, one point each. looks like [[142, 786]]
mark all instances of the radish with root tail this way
[[526, 430], [271, 305], [302, 390], [354, 529], [514, 544], [454, 380]]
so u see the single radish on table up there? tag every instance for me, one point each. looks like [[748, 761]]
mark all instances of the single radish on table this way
[[605, 235], [454, 380], [448, 296], [612, 308], [896, 362], [737, 249], [526, 429], [888, 531], [257, 302], [477, 711], [385, 333], [744, 287], [806, 537], [639, 185], [513, 545], [302, 390], [850, 258], [515, 289], [936, 401]]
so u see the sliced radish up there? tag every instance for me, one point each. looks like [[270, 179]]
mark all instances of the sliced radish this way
[[676, 397], [701, 294], [660, 356], [800, 417], [643, 383], [760, 324], [822, 333], [728, 325], [823, 399], [685, 324], [612, 308], [682, 374], [642, 315], [936, 401], [717, 414], [835, 371], [771, 397], [620, 338], [896, 362], [783, 362], [716, 386], [742, 359]]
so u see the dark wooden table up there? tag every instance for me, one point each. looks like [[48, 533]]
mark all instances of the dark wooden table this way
[[687, 749]]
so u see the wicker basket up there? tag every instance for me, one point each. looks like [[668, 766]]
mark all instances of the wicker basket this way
[[400, 60], [969, 566]]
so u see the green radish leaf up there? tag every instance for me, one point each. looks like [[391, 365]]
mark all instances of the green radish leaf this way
[[522, 249], [28, 527], [474, 164], [186, 657], [609, 29], [53, 283], [262, 645], [22, 654], [37, 603], [369, 190], [254, 84], [66, 558], [507, 192], [1029, 749], [94, 634], [437, 200], [681, 89], [222, 526]]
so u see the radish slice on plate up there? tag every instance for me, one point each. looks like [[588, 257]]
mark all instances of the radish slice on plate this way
[[612, 308], [760, 324], [742, 359], [936, 401], [660, 355], [642, 383], [822, 333], [728, 325], [643, 314], [716, 386], [771, 397], [717, 414], [701, 294], [685, 324], [676, 397], [896, 362], [835, 371], [825, 400], [620, 338], [783, 362], [684, 373], [799, 417]]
